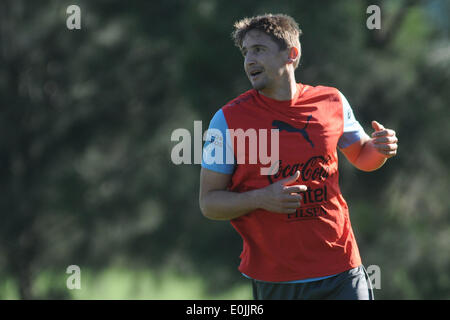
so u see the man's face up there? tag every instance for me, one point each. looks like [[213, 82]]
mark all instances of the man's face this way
[[264, 63]]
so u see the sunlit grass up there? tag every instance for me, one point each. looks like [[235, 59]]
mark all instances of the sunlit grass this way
[[124, 284], [8, 289]]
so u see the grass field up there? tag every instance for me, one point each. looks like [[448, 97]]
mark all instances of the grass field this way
[[122, 284]]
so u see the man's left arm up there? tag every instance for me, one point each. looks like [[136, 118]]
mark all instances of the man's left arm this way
[[370, 153]]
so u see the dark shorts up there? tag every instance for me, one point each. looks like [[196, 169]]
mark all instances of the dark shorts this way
[[353, 284]]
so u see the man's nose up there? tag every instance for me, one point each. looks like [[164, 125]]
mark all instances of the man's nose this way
[[249, 60]]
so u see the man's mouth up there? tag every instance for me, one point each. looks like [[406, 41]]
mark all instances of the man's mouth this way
[[255, 73]]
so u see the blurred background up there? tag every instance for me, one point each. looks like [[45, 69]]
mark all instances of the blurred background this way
[[86, 118]]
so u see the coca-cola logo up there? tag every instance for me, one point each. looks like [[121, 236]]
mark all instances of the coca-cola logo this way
[[316, 168]]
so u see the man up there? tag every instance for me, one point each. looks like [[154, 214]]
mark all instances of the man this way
[[298, 242]]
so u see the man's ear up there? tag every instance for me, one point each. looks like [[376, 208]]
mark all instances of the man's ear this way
[[293, 54]]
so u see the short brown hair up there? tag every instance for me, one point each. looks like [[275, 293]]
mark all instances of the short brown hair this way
[[282, 28]]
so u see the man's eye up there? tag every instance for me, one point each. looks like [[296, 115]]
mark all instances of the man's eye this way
[[258, 50]]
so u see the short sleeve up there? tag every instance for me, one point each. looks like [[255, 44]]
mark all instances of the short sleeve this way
[[218, 154], [352, 129]]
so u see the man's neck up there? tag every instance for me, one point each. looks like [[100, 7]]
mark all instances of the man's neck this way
[[286, 91]]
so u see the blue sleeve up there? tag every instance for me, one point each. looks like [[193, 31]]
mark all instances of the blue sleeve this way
[[352, 129], [218, 154]]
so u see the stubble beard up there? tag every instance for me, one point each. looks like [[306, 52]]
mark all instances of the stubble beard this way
[[259, 85]]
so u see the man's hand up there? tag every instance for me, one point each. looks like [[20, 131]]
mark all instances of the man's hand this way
[[282, 196], [217, 203], [384, 140], [369, 154]]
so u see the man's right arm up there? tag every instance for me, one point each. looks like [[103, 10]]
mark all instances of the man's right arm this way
[[217, 203]]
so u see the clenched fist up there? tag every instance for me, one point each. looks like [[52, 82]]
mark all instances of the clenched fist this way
[[384, 140], [282, 196]]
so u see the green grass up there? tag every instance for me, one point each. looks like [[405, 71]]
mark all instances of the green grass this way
[[8, 289], [123, 284]]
